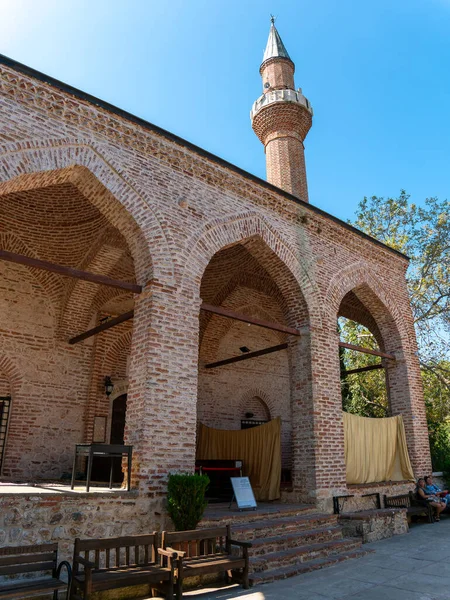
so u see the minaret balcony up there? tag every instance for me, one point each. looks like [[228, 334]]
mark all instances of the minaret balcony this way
[[286, 95]]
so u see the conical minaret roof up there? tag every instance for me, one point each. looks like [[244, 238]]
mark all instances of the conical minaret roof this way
[[275, 47]]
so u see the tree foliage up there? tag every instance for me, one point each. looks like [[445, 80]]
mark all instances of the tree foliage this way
[[423, 233], [363, 394]]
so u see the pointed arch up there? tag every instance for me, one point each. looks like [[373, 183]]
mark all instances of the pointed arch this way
[[218, 235], [12, 373], [27, 165], [263, 396], [371, 292]]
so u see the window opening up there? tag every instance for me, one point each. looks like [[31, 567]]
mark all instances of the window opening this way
[[5, 405], [249, 423]]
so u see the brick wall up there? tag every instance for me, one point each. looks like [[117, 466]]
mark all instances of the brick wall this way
[[159, 212]]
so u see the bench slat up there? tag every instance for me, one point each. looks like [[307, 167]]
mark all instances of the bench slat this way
[[109, 579], [122, 542], [30, 588], [205, 566], [196, 534], [15, 550], [13, 569], [23, 559]]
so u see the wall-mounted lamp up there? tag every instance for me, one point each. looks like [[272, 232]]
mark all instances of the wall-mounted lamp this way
[[249, 415], [109, 386]]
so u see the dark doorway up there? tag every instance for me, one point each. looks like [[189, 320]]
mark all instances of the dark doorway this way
[[119, 409], [101, 466]]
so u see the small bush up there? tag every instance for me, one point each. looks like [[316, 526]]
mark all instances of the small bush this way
[[186, 499]]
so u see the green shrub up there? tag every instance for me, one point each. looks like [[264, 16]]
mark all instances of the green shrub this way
[[186, 499]]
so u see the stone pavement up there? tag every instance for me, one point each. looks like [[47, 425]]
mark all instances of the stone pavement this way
[[414, 566]]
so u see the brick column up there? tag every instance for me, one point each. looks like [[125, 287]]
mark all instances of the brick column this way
[[162, 397], [404, 384], [317, 425]]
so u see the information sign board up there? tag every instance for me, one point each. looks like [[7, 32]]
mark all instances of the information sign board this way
[[243, 492]]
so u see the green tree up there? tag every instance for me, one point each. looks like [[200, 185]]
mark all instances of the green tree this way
[[364, 393], [423, 233]]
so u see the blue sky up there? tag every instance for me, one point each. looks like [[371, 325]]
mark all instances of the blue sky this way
[[376, 72]]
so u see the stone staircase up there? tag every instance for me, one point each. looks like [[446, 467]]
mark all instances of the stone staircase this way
[[287, 539]]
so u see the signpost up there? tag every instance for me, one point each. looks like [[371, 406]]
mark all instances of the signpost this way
[[243, 493]]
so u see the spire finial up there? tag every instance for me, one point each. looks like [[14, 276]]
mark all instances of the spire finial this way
[[275, 47]]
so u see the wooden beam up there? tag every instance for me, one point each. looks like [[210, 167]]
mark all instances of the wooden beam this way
[[103, 327], [230, 314], [362, 369], [68, 271], [247, 356], [366, 350]]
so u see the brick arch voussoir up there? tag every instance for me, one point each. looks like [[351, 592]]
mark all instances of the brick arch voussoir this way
[[120, 346], [12, 373], [219, 234], [358, 276], [28, 164], [263, 395]]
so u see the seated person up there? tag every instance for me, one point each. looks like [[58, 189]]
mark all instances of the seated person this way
[[432, 488], [437, 503]]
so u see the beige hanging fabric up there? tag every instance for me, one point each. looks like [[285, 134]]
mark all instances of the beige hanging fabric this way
[[259, 448], [376, 450]]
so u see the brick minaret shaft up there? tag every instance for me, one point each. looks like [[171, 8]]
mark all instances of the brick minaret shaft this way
[[281, 118]]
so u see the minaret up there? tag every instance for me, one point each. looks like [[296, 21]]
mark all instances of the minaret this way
[[281, 118]]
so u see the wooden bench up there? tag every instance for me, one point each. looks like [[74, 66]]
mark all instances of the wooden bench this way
[[205, 551], [105, 564], [411, 503], [41, 560]]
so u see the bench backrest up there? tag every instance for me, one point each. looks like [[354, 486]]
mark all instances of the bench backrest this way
[[119, 552], [199, 542], [400, 501], [28, 559]]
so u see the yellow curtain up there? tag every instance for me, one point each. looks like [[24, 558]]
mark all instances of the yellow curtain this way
[[376, 450], [259, 448]]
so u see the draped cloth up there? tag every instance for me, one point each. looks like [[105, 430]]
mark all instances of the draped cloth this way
[[376, 450], [259, 448]]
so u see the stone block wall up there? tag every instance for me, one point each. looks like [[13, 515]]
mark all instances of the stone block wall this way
[[375, 526], [27, 519]]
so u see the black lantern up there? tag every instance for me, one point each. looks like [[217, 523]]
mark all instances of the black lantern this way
[[109, 386]]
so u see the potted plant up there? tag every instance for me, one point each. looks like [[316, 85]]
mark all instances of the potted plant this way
[[186, 499]]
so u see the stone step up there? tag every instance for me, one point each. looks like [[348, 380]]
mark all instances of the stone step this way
[[302, 554], [220, 514], [306, 567], [282, 525], [278, 543]]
